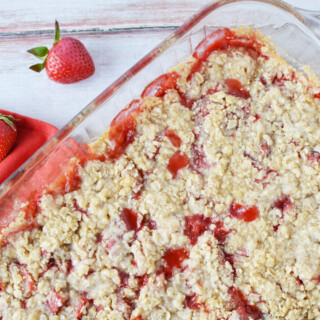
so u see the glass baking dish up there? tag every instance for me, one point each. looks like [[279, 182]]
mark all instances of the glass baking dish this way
[[289, 30]]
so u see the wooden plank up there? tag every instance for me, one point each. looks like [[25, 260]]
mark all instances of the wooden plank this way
[[20, 16], [34, 95]]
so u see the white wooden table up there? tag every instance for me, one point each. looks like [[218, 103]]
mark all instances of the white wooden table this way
[[117, 33]]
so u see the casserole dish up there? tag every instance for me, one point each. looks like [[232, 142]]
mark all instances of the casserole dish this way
[[287, 28], [109, 236]]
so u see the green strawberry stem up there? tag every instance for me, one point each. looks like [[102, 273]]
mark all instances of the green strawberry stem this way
[[9, 120], [56, 33], [42, 52]]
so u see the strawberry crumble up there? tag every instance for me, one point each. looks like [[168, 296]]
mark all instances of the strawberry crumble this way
[[199, 202]]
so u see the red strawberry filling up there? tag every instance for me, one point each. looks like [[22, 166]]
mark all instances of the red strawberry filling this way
[[241, 212], [283, 204], [55, 302], [123, 130], [191, 302], [223, 39], [159, 86], [177, 162], [242, 306], [130, 218], [236, 88], [82, 306], [28, 282], [173, 259], [68, 181], [195, 226], [173, 137]]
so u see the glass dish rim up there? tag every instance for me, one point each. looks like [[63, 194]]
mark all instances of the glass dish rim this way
[[107, 93]]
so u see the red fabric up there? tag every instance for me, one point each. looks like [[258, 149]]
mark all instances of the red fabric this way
[[32, 134]]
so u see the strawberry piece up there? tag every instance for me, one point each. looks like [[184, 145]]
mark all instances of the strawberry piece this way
[[130, 218], [220, 233], [82, 305], [142, 280], [8, 134], [28, 282], [177, 162], [216, 40], [68, 61], [123, 129], [159, 86], [173, 260], [284, 204], [55, 302], [313, 157], [173, 137], [236, 88], [299, 281], [195, 226], [241, 212], [191, 302], [30, 211], [68, 181], [245, 310]]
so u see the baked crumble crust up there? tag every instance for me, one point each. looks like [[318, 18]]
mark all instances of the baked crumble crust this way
[[208, 209]]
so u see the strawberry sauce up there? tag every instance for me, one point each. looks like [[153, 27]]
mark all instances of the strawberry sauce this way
[[317, 95], [236, 88], [283, 204], [78, 208], [73, 180], [159, 86], [223, 39], [83, 303], [177, 162], [55, 302], [241, 305], [67, 182], [313, 157], [124, 279], [32, 208], [220, 233], [241, 212], [173, 137], [191, 302], [173, 259], [195, 226], [122, 130], [130, 218], [142, 280]]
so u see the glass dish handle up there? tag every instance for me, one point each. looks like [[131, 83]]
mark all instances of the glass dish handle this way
[[311, 20]]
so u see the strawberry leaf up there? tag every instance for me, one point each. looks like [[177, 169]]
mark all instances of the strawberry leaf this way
[[9, 120], [38, 67], [39, 52], [57, 33]]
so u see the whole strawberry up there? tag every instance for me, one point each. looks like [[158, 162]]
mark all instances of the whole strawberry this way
[[68, 61], [8, 134]]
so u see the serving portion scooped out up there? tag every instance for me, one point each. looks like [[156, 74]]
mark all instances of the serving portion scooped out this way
[[199, 202]]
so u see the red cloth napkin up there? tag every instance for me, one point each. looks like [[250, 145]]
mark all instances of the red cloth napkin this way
[[32, 134]]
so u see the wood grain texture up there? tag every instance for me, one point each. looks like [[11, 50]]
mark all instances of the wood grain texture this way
[[20, 16], [29, 93]]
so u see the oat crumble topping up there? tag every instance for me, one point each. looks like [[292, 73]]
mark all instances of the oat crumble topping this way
[[201, 201]]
